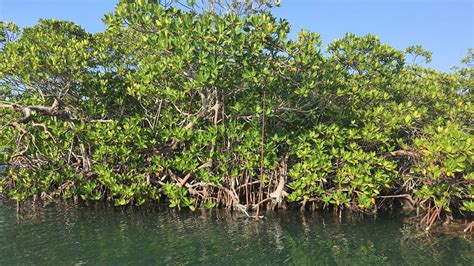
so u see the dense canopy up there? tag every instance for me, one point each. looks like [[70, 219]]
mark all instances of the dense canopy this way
[[204, 109]]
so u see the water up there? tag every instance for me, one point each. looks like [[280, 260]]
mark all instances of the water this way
[[76, 234]]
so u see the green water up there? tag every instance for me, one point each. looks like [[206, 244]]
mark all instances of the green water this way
[[60, 234]]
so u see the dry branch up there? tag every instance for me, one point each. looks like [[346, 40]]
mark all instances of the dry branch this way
[[27, 110]]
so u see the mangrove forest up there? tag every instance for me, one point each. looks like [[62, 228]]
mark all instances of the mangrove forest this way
[[196, 107]]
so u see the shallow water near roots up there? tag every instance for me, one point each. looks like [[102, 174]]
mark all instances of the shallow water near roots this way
[[62, 233]]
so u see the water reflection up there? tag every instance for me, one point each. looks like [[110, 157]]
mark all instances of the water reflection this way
[[76, 234]]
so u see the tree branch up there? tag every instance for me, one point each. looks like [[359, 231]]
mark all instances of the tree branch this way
[[26, 110]]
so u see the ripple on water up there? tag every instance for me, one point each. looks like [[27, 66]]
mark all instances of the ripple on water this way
[[80, 234]]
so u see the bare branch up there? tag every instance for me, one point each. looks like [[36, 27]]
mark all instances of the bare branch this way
[[26, 110]]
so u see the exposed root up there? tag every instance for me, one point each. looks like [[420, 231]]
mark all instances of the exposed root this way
[[469, 227], [433, 214]]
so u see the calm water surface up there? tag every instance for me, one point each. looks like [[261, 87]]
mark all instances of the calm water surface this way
[[60, 234]]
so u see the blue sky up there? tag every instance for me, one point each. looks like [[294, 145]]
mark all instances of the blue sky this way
[[445, 27]]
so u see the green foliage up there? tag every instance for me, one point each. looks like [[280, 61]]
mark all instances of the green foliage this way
[[417, 51], [336, 166], [445, 173], [222, 109], [8, 32]]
